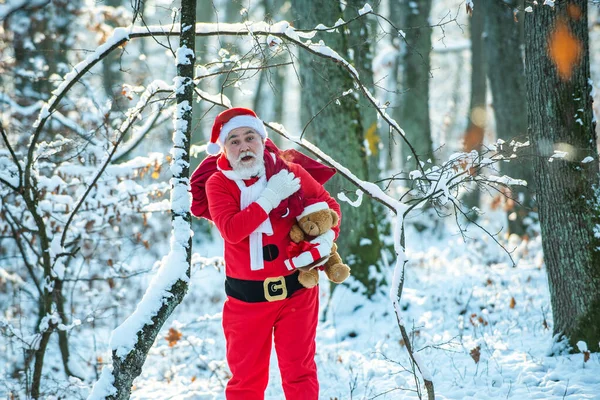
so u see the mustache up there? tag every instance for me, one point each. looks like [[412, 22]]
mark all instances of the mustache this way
[[246, 154]]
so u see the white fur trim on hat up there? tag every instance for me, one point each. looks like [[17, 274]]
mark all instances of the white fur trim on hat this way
[[242, 121], [322, 205]]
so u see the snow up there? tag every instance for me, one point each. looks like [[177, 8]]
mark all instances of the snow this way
[[9, 6], [456, 295], [358, 351], [214, 98], [342, 197], [506, 180], [55, 247], [119, 35], [339, 22], [365, 9], [153, 88], [558, 154], [25, 111], [172, 268], [365, 242], [184, 55], [104, 386], [582, 346]]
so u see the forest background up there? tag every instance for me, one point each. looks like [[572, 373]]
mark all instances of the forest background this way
[[465, 139]]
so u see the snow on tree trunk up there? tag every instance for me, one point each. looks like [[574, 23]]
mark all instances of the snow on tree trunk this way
[[559, 110], [132, 340], [506, 74], [335, 125]]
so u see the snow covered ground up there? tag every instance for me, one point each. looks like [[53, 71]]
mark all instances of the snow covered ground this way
[[482, 327]]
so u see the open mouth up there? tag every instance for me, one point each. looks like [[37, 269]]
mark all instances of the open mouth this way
[[247, 158]]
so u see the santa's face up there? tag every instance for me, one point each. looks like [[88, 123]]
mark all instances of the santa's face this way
[[244, 149]]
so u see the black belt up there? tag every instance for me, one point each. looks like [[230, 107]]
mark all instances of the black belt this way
[[271, 289]]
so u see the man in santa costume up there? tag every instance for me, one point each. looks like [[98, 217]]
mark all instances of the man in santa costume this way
[[254, 199]]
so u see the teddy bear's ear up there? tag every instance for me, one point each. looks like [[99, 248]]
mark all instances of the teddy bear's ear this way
[[334, 217]]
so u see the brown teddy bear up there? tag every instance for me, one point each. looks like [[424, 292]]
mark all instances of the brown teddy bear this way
[[316, 220]]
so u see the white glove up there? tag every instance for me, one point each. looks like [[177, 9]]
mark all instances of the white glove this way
[[324, 245], [325, 242], [281, 186]]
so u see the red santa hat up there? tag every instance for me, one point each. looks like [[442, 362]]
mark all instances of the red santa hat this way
[[229, 120]]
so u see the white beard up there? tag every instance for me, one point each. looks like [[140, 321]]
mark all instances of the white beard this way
[[257, 168]]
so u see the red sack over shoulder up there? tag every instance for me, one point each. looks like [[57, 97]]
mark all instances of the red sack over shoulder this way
[[208, 166]]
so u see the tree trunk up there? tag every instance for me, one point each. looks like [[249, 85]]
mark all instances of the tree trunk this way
[[201, 128], [337, 129], [559, 111], [63, 336], [29, 83], [269, 99], [277, 9], [477, 119], [503, 51], [51, 26], [395, 161], [45, 301], [126, 369], [226, 81], [359, 37], [112, 77], [413, 113]]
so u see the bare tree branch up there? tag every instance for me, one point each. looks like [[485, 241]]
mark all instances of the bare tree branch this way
[[15, 159]]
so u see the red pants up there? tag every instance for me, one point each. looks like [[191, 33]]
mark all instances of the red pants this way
[[249, 330]]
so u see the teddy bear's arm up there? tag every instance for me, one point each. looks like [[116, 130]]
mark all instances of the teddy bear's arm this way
[[296, 234]]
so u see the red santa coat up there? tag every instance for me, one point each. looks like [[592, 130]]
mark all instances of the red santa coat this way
[[235, 226]]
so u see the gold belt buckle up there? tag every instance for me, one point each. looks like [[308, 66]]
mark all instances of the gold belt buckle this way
[[275, 288]]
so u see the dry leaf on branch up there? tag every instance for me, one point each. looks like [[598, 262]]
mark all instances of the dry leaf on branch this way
[[173, 337], [476, 354]]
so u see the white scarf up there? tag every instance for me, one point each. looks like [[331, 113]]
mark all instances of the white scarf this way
[[248, 195]]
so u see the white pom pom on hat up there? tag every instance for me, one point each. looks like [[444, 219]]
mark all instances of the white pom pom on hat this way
[[229, 120]]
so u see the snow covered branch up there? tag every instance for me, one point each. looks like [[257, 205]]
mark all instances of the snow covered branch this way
[[132, 117]]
